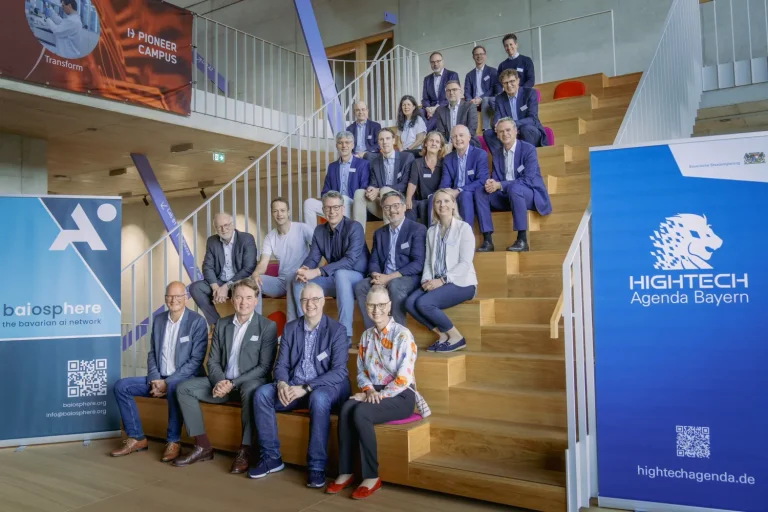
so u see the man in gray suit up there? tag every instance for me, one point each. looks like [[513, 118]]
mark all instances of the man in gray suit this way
[[230, 256], [457, 112], [242, 351]]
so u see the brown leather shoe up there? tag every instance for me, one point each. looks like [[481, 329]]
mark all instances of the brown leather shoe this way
[[198, 454], [130, 445], [171, 453], [240, 464]]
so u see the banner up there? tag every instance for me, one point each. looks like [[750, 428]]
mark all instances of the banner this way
[[681, 344], [137, 51], [60, 324]]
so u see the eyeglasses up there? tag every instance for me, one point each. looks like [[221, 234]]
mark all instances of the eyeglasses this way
[[334, 208], [175, 297], [223, 227], [453, 89], [314, 300], [512, 81], [374, 307], [390, 207]]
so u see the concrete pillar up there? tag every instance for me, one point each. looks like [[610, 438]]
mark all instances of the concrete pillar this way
[[23, 167]]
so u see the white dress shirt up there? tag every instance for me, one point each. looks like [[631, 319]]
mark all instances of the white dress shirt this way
[[509, 163], [454, 110], [478, 81], [228, 269], [438, 79], [170, 338], [233, 366]]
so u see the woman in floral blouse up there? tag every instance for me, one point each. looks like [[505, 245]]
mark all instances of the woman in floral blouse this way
[[385, 375]]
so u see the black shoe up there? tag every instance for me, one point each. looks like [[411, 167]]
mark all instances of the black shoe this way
[[486, 246], [518, 246]]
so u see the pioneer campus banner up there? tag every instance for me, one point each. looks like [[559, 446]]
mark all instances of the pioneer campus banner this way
[[680, 265], [59, 318], [136, 51]]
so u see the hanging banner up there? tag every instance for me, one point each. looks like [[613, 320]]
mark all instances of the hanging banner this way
[[679, 244], [137, 51], [60, 322]]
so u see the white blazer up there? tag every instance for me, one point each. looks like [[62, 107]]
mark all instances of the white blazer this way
[[459, 252]]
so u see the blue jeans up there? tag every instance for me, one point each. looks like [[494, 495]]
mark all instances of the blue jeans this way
[[426, 307], [126, 389], [277, 287], [341, 286], [320, 403]]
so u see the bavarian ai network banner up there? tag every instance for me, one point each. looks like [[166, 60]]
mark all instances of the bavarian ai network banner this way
[[680, 310], [60, 317]]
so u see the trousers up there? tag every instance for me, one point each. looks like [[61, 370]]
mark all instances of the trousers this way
[[421, 210], [272, 286], [129, 387], [427, 307], [202, 294], [340, 285], [354, 209], [373, 206], [515, 196], [486, 111], [399, 289]]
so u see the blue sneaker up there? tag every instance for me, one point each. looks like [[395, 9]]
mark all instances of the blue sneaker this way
[[448, 347], [265, 467], [316, 479], [433, 347]]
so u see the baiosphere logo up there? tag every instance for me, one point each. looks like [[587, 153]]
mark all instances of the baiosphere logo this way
[[85, 231], [684, 242]]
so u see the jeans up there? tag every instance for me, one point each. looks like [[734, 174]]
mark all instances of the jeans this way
[[399, 289], [276, 287], [129, 387], [320, 402], [202, 294], [341, 286], [426, 307]]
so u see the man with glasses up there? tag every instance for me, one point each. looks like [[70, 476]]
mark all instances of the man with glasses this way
[[433, 92], [348, 175], [342, 243], [456, 112], [389, 170], [365, 133], [230, 255], [481, 85], [310, 373], [243, 349], [397, 258], [177, 346]]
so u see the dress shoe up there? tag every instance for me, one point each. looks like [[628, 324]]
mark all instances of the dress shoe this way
[[334, 488], [240, 464], [130, 445], [198, 454], [447, 346], [486, 246], [518, 246], [171, 453], [363, 492]]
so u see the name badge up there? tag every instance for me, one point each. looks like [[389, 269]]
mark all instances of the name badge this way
[[322, 356], [521, 168], [184, 339], [352, 169], [519, 70], [486, 78], [254, 338], [427, 175], [399, 174], [405, 245], [524, 108], [370, 136], [471, 172]]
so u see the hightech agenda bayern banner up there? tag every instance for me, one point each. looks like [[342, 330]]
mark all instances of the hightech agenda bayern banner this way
[[679, 247], [134, 51]]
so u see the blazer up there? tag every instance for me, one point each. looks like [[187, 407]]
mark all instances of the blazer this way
[[428, 98], [372, 129], [357, 179], [491, 85], [351, 254], [526, 171], [527, 109], [409, 253], [467, 115], [524, 67], [190, 347], [378, 175], [459, 251], [330, 353], [244, 255], [477, 170], [257, 352]]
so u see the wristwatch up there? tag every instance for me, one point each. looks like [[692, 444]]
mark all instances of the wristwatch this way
[[307, 388]]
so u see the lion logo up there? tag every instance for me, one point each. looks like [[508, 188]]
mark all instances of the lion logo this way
[[683, 242]]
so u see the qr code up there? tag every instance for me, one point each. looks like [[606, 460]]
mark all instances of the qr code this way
[[693, 442], [86, 378]]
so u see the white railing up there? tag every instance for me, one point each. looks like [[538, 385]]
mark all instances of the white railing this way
[[294, 169], [734, 43]]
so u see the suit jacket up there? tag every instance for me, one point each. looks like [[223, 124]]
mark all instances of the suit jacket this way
[[491, 85], [244, 255], [459, 253], [378, 175], [476, 168], [330, 353], [372, 130], [524, 66], [353, 254], [467, 115], [257, 352], [357, 179], [527, 109], [190, 347], [526, 171], [428, 98], [409, 253]]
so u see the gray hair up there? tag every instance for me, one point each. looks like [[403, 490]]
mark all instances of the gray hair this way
[[358, 102], [393, 193], [377, 288], [344, 135], [332, 194], [504, 120], [221, 214], [311, 286]]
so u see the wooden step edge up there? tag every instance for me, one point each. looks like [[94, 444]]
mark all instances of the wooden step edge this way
[[497, 427]]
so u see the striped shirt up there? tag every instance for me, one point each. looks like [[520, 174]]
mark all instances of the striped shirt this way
[[440, 265]]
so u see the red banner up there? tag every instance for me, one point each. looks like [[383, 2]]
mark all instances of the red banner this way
[[136, 51]]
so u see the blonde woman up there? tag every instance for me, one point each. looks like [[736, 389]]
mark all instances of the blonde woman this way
[[425, 176]]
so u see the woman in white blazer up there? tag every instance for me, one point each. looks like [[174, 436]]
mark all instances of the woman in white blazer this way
[[449, 276]]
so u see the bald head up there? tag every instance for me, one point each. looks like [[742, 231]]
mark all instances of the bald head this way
[[222, 223], [460, 138], [175, 299], [361, 111]]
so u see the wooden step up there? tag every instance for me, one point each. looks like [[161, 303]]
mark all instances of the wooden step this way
[[574, 168], [580, 106], [517, 371], [594, 84], [524, 310], [561, 221], [539, 261], [568, 127], [521, 339], [605, 123], [433, 371], [490, 268], [578, 184], [534, 285], [618, 91], [629, 78], [569, 202], [608, 112], [499, 403], [559, 241], [556, 153], [503, 234]]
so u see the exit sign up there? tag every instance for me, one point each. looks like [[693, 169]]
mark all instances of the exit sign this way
[[218, 157]]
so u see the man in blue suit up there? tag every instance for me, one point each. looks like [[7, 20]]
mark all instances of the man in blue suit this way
[[464, 171], [522, 107], [346, 176], [310, 372], [177, 348], [389, 170], [342, 243], [397, 258], [516, 185], [520, 63], [481, 85], [365, 132], [433, 92]]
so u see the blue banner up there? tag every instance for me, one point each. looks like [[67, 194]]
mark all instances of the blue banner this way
[[60, 322], [679, 242]]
